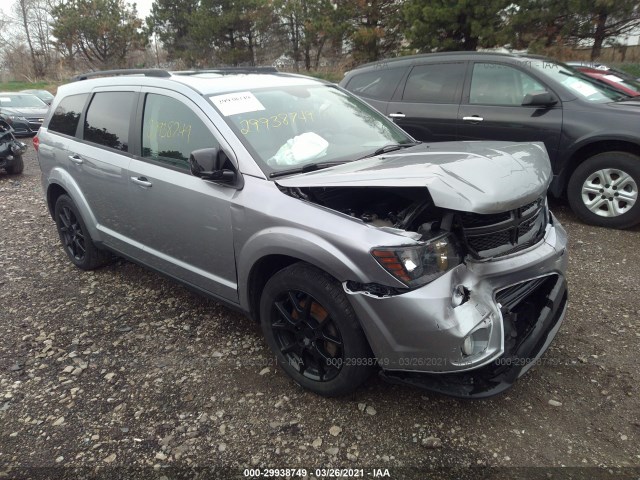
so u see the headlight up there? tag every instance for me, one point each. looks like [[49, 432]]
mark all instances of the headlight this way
[[17, 117], [419, 264]]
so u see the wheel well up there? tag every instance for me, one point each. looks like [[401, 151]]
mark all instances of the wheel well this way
[[595, 148], [260, 274], [53, 193]]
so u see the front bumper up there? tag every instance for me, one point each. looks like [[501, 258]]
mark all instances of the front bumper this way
[[418, 337]]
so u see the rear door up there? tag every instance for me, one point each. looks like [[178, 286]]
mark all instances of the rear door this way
[[99, 162], [183, 221], [377, 86], [492, 107], [426, 104]]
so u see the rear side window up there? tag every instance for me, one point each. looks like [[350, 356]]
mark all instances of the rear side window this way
[[108, 118], [379, 84], [171, 131], [67, 115], [434, 83]]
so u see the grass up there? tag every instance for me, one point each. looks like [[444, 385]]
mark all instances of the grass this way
[[17, 86]]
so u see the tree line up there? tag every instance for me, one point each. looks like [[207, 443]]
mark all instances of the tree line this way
[[54, 38]]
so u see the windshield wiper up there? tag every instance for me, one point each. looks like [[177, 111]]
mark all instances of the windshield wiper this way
[[309, 167], [392, 147]]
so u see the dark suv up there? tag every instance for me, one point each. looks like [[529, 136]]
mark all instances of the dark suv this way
[[592, 134]]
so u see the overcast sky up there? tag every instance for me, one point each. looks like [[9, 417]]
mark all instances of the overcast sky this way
[[143, 6]]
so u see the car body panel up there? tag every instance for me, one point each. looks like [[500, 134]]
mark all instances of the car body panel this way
[[479, 177]]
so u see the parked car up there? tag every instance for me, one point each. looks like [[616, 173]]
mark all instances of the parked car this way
[[591, 133], [25, 110], [630, 88], [597, 67], [44, 95], [292, 200]]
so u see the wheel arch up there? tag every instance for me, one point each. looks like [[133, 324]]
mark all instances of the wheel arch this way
[[594, 147], [61, 183]]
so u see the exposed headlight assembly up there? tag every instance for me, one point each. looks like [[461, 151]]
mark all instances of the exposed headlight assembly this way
[[420, 264]]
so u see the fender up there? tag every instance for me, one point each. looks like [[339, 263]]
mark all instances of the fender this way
[[296, 243], [61, 177]]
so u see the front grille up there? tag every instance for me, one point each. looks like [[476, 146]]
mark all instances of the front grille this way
[[511, 296], [496, 235]]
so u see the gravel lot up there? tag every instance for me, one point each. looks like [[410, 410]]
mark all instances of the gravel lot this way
[[122, 368]]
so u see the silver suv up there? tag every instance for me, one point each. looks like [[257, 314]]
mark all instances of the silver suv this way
[[356, 248]]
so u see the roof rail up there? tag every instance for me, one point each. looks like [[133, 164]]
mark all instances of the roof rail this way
[[147, 72], [229, 70]]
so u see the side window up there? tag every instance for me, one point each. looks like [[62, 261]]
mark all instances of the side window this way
[[434, 83], [67, 115], [171, 131], [379, 84], [108, 118], [493, 84]]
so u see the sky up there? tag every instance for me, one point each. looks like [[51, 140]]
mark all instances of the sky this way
[[143, 6]]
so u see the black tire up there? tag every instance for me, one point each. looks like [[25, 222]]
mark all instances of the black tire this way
[[313, 331], [17, 166], [596, 182], [75, 238]]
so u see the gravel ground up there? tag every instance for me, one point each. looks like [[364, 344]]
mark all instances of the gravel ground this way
[[122, 370]]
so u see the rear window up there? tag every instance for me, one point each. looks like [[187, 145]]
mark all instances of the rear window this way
[[378, 84], [434, 83], [108, 119], [67, 115]]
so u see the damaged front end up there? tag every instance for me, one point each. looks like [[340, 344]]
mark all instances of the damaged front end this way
[[483, 289]]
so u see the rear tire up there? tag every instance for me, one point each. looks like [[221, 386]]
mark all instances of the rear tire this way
[[313, 331], [603, 190], [75, 238], [17, 166]]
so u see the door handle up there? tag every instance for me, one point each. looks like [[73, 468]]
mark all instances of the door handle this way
[[75, 158], [397, 115], [142, 181], [474, 118]]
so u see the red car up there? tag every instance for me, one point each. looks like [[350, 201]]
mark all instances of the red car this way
[[609, 77]]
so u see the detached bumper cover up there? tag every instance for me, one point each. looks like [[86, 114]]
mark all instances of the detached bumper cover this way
[[528, 333]]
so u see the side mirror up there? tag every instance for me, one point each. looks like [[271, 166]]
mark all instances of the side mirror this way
[[212, 164], [539, 99]]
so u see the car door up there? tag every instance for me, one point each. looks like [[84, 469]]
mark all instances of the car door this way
[[99, 163], [183, 222], [492, 107], [426, 105], [377, 86]]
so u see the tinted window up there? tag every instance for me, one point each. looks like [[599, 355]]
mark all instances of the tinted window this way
[[67, 115], [493, 84], [379, 84], [171, 131], [436, 83], [108, 118]]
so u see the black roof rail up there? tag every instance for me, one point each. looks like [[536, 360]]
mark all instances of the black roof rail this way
[[230, 70], [147, 72]]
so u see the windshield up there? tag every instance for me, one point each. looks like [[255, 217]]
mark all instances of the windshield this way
[[21, 101], [294, 126], [576, 82]]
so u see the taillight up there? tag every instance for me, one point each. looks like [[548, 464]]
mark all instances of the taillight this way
[[36, 143]]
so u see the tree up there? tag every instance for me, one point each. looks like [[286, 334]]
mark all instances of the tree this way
[[547, 23], [461, 25], [171, 22], [378, 29], [104, 31]]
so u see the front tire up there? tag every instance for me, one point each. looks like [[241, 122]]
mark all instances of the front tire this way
[[603, 190], [17, 166], [75, 238], [313, 331]]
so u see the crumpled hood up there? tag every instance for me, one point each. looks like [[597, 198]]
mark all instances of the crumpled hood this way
[[479, 177]]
